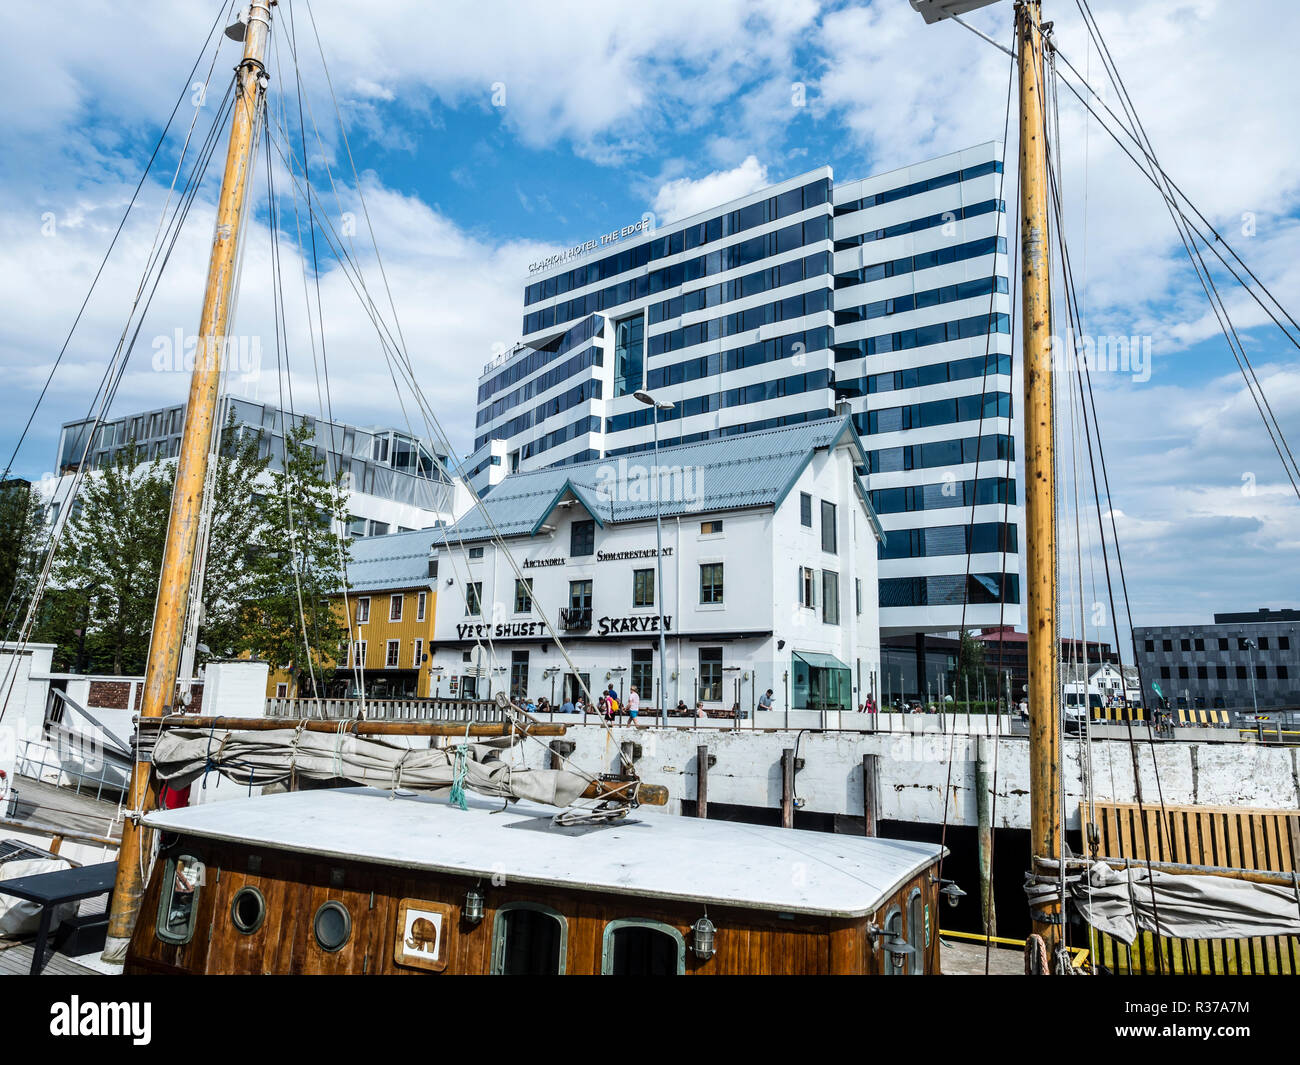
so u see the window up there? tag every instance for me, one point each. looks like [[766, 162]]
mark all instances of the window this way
[[518, 672], [433, 569], [830, 597], [248, 910], [1284, 643], [1150, 645], [1166, 645], [1263, 643], [807, 587], [710, 687], [529, 940], [828, 527], [708, 528], [419, 655], [421, 602], [580, 595], [857, 595], [711, 583], [1282, 673], [805, 510], [1241, 673], [363, 610], [1199, 643], [643, 587], [179, 905], [629, 336], [523, 596], [474, 598], [1182, 672], [476, 552], [917, 933], [332, 926], [1223, 643], [281, 691], [642, 948], [1184, 645], [643, 673], [582, 538], [392, 652], [395, 607], [359, 654]]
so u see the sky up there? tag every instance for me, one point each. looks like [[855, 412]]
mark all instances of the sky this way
[[481, 136]]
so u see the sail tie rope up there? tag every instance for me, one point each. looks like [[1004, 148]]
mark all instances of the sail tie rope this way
[[457, 796]]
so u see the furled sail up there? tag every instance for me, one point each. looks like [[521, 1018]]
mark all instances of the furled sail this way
[[1120, 902], [266, 757]]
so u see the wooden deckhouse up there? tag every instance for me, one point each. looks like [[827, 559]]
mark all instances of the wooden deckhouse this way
[[353, 881]]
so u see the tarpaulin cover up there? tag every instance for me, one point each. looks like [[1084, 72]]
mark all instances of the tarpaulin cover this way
[[257, 758]]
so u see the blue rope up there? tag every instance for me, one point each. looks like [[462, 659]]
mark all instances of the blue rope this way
[[458, 777]]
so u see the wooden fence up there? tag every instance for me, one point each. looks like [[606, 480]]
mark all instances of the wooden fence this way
[[386, 709], [1227, 836]]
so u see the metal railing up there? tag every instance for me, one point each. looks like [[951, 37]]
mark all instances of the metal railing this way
[[381, 709], [43, 761]]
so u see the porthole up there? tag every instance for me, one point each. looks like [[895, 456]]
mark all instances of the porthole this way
[[248, 910], [332, 926]]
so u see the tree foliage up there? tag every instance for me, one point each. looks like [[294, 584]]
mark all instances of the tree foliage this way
[[22, 550]]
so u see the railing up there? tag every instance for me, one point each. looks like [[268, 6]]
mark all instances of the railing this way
[[381, 709], [83, 771]]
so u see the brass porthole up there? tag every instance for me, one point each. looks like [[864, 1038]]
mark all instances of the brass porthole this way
[[248, 910], [332, 926]]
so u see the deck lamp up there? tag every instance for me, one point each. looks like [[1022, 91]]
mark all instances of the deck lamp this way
[[900, 950], [702, 938], [949, 890], [473, 908]]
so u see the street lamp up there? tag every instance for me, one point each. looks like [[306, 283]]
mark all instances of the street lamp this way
[[1250, 650], [645, 397]]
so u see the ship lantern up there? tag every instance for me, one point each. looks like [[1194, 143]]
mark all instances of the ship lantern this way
[[702, 936], [900, 951], [473, 909]]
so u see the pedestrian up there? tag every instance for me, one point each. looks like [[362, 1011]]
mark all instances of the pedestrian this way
[[633, 703], [765, 700], [699, 709]]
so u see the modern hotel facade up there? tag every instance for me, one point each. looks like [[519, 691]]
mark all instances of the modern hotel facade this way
[[885, 297]]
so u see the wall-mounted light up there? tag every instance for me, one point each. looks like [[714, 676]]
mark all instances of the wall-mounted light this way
[[900, 951], [950, 891], [702, 938], [473, 908]]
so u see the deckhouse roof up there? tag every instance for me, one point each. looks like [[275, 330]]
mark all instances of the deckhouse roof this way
[[654, 855]]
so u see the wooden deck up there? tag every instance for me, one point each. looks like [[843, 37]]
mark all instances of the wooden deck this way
[[41, 807], [963, 958], [16, 960]]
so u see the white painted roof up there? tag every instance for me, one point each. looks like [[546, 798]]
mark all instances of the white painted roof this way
[[659, 855]]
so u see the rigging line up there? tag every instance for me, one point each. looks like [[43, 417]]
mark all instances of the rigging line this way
[[1212, 245], [106, 388], [1074, 321], [1270, 425], [286, 479], [1143, 142], [113, 378], [979, 440], [1150, 157], [357, 663], [404, 361], [113, 241]]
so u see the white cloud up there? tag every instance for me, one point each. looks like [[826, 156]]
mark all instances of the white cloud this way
[[684, 197]]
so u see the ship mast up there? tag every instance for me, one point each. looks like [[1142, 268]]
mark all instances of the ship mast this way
[[192, 465], [1040, 466]]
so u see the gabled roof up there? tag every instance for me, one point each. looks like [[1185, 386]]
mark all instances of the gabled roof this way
[[733, 472], [397, 560]]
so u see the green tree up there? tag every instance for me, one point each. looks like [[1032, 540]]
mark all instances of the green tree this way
[[292, 620], [971, 667], [22, 550], [238, 532], [105, 574]]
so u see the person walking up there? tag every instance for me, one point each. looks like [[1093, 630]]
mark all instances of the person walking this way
[[633, 703], [765, 700]]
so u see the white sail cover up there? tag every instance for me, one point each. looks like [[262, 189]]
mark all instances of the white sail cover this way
[[265, 757], [1119, 902]]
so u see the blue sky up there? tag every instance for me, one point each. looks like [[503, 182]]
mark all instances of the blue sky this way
[[489, 133]]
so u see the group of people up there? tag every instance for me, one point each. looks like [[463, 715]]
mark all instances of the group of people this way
[[607, 704]]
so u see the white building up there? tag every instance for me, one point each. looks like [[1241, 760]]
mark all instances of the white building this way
[[888, 292], [395, 482], [769, 574]]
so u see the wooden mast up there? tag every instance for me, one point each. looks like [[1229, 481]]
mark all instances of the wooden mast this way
[[1040, 475], [191, 469]]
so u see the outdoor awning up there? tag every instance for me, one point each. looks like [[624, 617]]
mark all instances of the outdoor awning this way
[[817, 660]]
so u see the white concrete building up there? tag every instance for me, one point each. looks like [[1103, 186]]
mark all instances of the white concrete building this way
[[769, 576], [889, 293]]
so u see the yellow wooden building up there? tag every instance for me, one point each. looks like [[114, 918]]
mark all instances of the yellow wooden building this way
[[392, 598]]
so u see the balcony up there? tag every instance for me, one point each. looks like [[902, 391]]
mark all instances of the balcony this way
[[575, 619]]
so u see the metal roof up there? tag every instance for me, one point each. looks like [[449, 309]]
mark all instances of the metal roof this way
[[661, 856], [397, 560], [730, 473]]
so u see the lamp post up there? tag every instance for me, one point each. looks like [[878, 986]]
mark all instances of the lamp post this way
[[645, 397], [1250, 650]]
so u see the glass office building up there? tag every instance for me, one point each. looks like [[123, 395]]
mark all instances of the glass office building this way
[[887, 296]]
